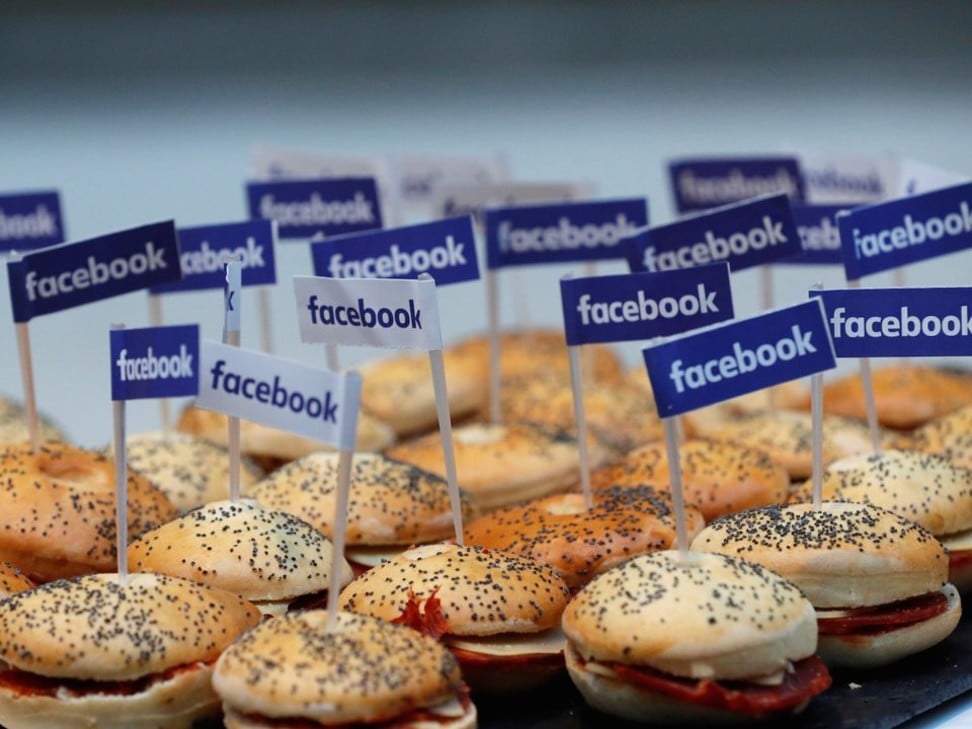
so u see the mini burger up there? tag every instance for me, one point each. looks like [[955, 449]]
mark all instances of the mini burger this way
[[391, 505], [99, 651], [271, 558], [718, 477], [502, 464], [673, 638], [949, 435], [292, 672], [922, 487], [59, 510], [189, 470], [581, 543], [878, 582], [14, 428], [498, 613]]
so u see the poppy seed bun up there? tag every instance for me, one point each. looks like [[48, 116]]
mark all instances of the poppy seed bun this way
[[697, 616], [163, 633], [59, 510], [502, 464], [905, 395], [400, 390], [366, 670], [97, 628], [480, 592], [924, 488], [579, 543], [718, 477], [841, 555], [273, 445], [189, 470], [390, 503], [264, 555], [12, 580], [787, 436]]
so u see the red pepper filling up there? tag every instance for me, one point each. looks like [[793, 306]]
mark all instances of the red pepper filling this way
[[959, 558], [888, 617], [808, 678]]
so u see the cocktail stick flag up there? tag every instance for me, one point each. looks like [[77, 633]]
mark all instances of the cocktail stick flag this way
[[30, 220], [544, 234], [304, 209], [636, 306], [722, 361], [71, 274], [154, 362], [395, 313], [312, 402], [707, 182]]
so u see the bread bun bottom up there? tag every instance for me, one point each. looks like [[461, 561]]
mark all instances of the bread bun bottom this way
[[174, 703], [880, 649], [636, 703], [235, 720]]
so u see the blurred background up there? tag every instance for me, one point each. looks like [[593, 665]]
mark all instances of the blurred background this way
[[148, 111]]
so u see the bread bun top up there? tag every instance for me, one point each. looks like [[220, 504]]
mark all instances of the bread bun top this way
[[366, 670], [480, 592], [259, 553], [718, 477], [262, 440], [697, 616], [59, 509], [905, 395], [390, 503], [925, 488], [580, 543], [96, 627], [841, 555], [400, 391], [12, 580], [189, 470], [787, 436], [501, 464]]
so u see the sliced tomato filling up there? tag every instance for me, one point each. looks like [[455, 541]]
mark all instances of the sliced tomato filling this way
[[808, 678], [32, 684], [885, 618], [425, 616]]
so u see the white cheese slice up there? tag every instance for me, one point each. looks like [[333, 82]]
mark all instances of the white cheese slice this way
[[372, 556], [827, 614], [451, 708], [773, 679], [513, 644], [957, 542]]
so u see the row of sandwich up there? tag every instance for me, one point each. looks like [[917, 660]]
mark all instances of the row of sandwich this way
[[223, 613]]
